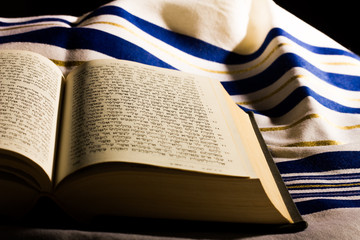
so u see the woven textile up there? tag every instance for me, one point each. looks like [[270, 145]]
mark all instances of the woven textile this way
[[303, 87]]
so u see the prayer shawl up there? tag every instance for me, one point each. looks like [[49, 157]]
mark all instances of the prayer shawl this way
[[303, 87]]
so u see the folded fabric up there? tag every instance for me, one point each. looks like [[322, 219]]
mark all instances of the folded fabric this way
[[302, 86]]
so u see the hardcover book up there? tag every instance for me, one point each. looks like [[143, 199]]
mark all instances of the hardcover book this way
[[118, 138]]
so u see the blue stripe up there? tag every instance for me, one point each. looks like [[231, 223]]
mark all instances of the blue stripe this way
[[322, 177], [314, 49], [183, 42], [296, 97], [203, 49], [279, 67], [82, 38], [318, 205], [322, 162], [192, 45]]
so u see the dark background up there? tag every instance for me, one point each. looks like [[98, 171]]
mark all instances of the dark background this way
[[337, 19]]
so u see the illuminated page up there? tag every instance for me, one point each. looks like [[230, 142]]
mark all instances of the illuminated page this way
[[118, 111], [30, 86]]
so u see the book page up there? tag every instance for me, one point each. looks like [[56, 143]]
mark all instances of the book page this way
[[30, 88], [118, 111]]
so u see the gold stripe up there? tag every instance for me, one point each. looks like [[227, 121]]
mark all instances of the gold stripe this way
[[67, 63], [308, 117], [273, 93], [341, 127], [258, 64], [341, 64], [314, 143], [324, 185], [185, 61]]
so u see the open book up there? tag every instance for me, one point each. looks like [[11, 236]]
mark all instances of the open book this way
[[117, 138]]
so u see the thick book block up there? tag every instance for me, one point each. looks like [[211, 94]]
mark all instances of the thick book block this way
[[121, 139]]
